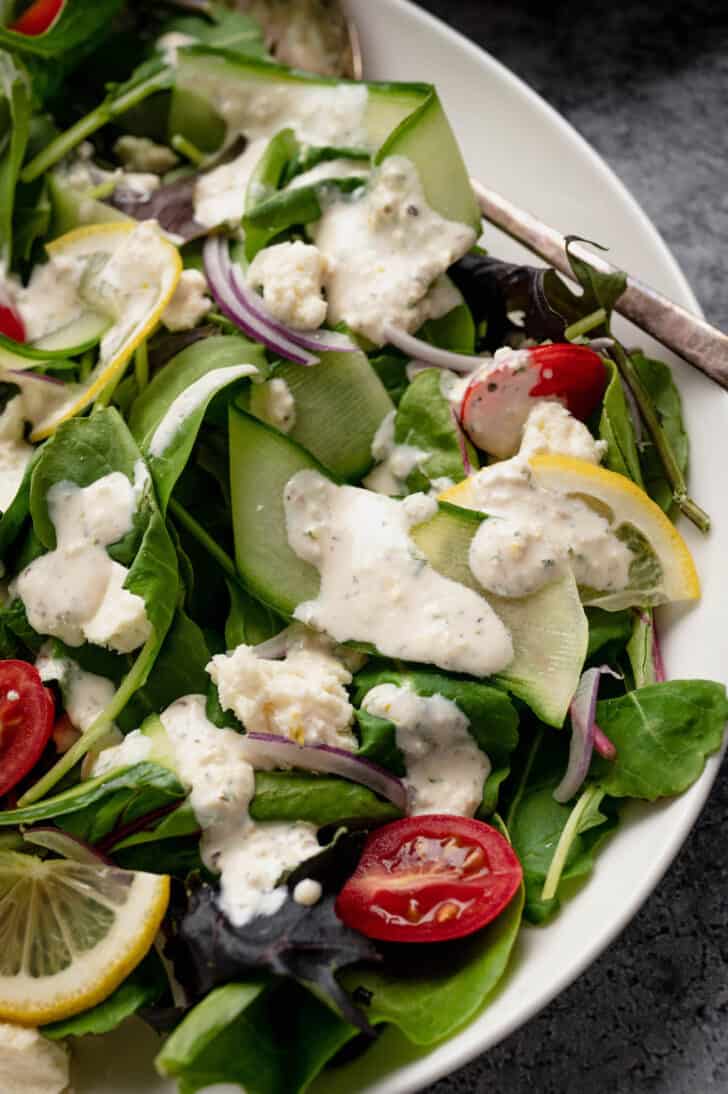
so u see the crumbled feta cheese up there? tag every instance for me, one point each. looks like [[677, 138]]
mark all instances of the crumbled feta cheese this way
[[446, 769], [278, 408], [76, 591], [141, 154], [291, 276], [30, 1063], [303, 697], [85, 694], [190, 302], [387, 250], [307, 892], [550, 428]]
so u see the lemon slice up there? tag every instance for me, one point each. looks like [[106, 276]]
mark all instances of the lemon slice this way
[[126, 271], [70, 932]]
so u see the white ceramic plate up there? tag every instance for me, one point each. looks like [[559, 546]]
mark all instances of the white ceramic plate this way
[[518, 145]]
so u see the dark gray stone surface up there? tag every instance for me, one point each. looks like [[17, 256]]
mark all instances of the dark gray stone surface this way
[[647, 84]]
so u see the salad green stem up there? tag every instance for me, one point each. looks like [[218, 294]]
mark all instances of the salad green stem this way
[[584, 325], [205, 540], [671, 467], [141, 365], [589, 800], [65, 142], [99, 727], [187, 149]]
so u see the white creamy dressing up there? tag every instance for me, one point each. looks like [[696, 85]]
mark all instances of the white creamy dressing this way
[[134, 748], [394, 462], [31, 1063], [76, 591], [51, 298], [291, 277], [190, 400], [307, 892], [302, 697], [85, 694], [220, 194], [190, 302], [387, 248], [445, 768], [278, 406], [15, 453], [533, 533], [331, 169], [375, 585], [250, 857]]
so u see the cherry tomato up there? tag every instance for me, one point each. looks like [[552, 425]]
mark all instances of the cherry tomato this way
[[497, 401], [11, 325], [430, 878], [26, 721], [38, 17]]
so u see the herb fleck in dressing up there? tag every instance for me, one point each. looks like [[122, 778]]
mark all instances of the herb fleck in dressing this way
[[375, 585], [445, 768]]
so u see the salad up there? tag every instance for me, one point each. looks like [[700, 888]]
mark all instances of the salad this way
[[330, 546]]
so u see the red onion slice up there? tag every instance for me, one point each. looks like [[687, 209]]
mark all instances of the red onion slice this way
[[431, 355], [316, 340], [219, 277], [585, 733], [332, 761]]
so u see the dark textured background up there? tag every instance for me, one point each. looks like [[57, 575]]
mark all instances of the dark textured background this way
[[647, 85]]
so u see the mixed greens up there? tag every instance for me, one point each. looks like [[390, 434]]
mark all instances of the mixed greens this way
[[168, 414]]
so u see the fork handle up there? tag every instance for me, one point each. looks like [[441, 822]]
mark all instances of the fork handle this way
[[687, 335]]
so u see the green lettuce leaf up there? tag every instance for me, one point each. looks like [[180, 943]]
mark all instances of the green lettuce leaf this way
[[657, 380], [319, 799], [616, 428], [425, 420]]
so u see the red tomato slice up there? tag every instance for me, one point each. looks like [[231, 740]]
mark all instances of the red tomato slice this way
[[430, 878], [26, 721], [497, 401], [11, 325], [38, 17]]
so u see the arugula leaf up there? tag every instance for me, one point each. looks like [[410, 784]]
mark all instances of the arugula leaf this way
[[15, 110], [662, 734], [272, 1038], [492, 716], [138, 789], [143, 987], [425, 420], [431, 991], [223, 29], [657, 380], [308, 944], [319, 799], [616, 428], [599, 290], [189, 366]]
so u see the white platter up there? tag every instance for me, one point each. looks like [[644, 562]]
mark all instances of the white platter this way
[[518, 145]]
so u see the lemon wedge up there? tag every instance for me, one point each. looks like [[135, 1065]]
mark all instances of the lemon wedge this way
[[70, 932], [663, 569], [126, 271]]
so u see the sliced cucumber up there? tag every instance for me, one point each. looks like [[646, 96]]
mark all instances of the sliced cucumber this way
[[549, 629], [262, 460], [162, 752], [82, 333], [340, 404], [425, 138]]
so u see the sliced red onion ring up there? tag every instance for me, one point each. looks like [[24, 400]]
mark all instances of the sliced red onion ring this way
[[316, 340], [431, 355], [584, 729], [67, 846], [324, 758], [219, 276]]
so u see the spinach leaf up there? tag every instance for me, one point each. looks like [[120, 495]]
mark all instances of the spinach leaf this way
[[425, 420], [249, 622], [617, 429], [662, 733], [191, 366], [15, 108], [609, 633], [391, 368], [308, 944], [319, 799], [143, 987], [378, 741], [432, 992], [657, 380], [93, 807], [272, 1038], [454, 331], [493, 718]]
